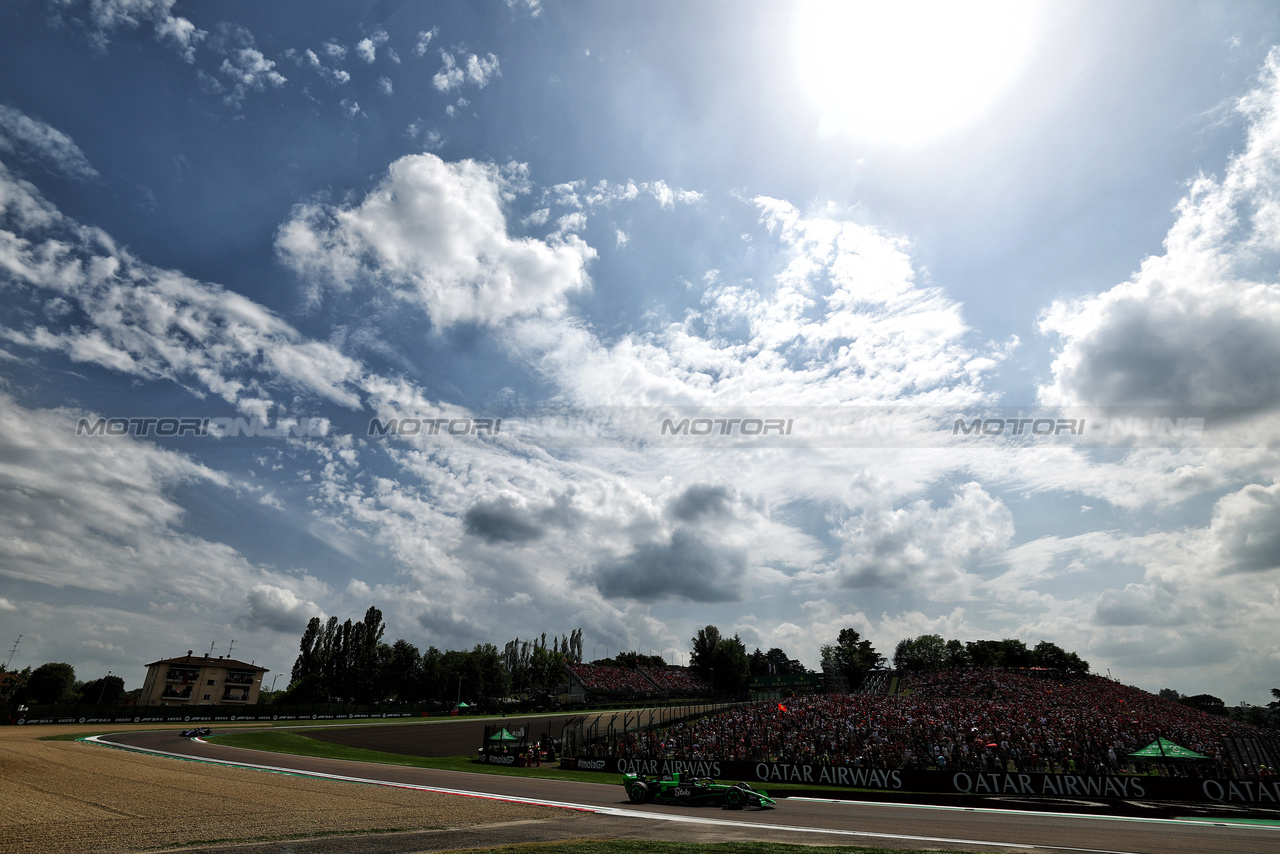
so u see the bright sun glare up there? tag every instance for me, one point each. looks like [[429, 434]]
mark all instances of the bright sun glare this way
[[908, 72]]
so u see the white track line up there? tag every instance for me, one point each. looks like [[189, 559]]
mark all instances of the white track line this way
[[612, 811]]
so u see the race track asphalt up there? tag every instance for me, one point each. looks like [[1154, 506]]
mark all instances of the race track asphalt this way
[[600, 810]]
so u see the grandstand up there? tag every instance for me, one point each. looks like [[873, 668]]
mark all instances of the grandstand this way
[[640, 682], [966, 720]]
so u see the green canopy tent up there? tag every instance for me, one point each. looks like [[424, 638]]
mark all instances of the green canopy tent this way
[[1164, 750], [502, 736]]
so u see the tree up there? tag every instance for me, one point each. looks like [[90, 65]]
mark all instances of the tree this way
[[308, 660], [545, 667], [51, 683], [431, 676], [400, 674], [925, 653], [783, 664], [704, 647], [1206, 703], [1014, 653], [308, 689], [850, 658], [730, 671], [106, 691], [363, 659]]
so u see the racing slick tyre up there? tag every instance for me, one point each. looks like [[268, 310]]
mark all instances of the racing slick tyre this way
[[733, 798], [638, 793]]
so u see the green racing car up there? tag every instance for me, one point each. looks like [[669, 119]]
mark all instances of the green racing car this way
[[699, 790]]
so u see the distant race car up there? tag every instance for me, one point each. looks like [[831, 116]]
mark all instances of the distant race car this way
[[698, 790], [197, 731]]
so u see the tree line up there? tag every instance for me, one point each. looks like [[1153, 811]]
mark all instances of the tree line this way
[[54, 684], [725, 663], [933, 652], [350, 663]]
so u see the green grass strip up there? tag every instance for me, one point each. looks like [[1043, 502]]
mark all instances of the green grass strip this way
[[298, 744]]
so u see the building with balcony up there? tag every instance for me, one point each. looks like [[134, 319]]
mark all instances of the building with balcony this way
[[195, 680]]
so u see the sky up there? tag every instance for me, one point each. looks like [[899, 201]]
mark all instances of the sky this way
[[519, 317]]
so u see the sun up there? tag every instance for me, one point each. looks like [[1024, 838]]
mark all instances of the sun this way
[[909, 72]]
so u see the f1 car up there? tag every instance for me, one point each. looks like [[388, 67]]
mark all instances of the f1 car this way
[[670, 789], [196, 731]]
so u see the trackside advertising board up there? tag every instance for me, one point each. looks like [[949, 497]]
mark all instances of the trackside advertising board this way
[[1129, 787]]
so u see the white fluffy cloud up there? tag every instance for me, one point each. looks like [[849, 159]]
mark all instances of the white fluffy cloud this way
[[846, 322], [919, 546], [1199, 325], [434, 234], [104, 16], [475, 69], [138, 319]]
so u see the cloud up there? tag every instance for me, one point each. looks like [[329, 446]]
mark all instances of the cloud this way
[[424, 40], [925, 548], [533, 8], [308, 59], [689, 566], [1143, 605], [434, 234], [251, 70], [30, 138], [246, 66], [367, 48], [277, 609], [1199, 325], [99, 515], [845, 322], [474, 69], [134, 318], [701, 501], [504, 518], [1246, 529], [101, 17]]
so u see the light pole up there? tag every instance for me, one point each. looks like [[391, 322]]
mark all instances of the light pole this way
[[104, 687]]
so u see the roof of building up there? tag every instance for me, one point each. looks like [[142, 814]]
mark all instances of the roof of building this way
[[209, 661]]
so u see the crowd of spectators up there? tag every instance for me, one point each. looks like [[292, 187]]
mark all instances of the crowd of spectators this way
[[675, 680], [642, 681], [961, 720]]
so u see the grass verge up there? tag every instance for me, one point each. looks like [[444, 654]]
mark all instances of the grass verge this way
[[283, 741]]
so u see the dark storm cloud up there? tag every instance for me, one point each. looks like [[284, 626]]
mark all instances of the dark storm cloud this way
[[507, 518], [688, 567], [700, 501], [502, 519], [1153, 353]]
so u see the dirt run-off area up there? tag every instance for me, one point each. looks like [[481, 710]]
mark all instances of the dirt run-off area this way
[[69, 797]]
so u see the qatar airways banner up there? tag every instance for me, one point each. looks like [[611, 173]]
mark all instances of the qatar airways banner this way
[[1094, 786]]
